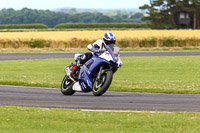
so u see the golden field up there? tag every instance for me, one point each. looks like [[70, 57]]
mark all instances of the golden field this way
[[80, 39], [66, 35]]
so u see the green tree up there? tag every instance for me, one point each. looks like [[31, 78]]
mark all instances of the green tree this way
[[161, 12], [158, 14], [137, 15]]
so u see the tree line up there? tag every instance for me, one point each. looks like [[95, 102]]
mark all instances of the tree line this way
[[162, 13], [51, 18]]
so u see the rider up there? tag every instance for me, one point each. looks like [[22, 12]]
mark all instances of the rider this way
[[97, 47]]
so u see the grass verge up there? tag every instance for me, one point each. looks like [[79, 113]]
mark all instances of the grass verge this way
[[83, 50], [139, 74], [36, 120], [44, 50]]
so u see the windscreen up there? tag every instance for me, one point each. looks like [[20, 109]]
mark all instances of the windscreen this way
[[114, 49]]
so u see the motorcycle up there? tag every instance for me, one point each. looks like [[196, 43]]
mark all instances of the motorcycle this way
[[95, 75]]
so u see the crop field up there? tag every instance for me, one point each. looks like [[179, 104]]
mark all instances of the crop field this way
[[66, 35], [137, 39]]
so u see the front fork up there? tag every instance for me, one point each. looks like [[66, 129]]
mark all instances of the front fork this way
[[99, 74], [101, 71]]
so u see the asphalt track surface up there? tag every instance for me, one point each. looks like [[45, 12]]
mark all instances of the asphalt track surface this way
[[124, 101], [52, 98], [29, 56]]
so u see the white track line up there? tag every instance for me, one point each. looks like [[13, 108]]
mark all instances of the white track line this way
[[90, 110]]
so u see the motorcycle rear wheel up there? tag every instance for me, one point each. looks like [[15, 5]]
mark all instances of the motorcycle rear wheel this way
[[100, 87], [66, 86]]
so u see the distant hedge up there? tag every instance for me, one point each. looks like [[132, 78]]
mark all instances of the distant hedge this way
[[101, 25], [24, 26]]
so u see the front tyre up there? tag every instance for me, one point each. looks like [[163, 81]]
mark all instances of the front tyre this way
[[66, 86], [101, 86]]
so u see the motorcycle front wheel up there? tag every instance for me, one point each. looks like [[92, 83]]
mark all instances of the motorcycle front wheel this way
[[66, 86], [101, 86]]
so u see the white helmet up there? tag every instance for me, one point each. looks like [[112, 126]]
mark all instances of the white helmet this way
[[109, 38]]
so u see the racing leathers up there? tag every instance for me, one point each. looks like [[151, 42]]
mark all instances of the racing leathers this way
[[96, 47]]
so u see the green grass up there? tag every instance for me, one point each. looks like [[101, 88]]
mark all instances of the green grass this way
[[36, 120], [138, 74], [160, 74]]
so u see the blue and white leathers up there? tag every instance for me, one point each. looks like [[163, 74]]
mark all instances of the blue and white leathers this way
[[110, 58]]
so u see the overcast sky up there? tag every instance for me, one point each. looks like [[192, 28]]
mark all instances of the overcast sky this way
[[53, 4]]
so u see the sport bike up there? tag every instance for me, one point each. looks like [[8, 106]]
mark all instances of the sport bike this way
[[95, 75]]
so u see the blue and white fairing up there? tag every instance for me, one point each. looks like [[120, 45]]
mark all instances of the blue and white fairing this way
[[112, 55], [109, 57]]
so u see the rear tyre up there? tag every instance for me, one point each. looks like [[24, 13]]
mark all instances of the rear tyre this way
[[66, 86], [100, 87]]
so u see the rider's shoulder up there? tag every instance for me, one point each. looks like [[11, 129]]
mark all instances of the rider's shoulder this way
[[99, 41]]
